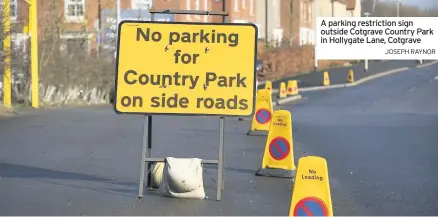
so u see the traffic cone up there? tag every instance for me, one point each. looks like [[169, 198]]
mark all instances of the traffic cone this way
[[292, 87], [261, 121], [268, 86], [326, 81], [282, 93], [350, 78], [278, 157], [311, 194]]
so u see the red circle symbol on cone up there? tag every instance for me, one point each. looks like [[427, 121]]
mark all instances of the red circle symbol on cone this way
[[290, 89], [279, 148], [263, 116], [310, 206]]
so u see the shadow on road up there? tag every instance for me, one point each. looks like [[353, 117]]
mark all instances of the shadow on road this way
[[20, 171], [110, 186], [68, 179]]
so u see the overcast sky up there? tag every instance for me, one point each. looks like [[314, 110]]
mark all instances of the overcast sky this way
[[420, 3]]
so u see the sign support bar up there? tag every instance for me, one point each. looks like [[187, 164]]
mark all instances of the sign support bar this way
[[147, 130], [188, 12]]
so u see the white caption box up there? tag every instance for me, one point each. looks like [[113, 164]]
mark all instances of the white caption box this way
[[378, 38]]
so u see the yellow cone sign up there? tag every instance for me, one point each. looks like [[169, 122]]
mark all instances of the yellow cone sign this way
[[311, 192]]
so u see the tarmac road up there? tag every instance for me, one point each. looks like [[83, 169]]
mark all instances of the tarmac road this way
[[339, 75], [87, 161], [379, 139]]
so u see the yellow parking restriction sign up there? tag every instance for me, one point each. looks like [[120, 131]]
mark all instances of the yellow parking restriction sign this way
[[186, 68]]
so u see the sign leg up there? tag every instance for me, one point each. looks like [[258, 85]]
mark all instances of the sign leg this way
[[149, 151], [223, 152], [220, 166], [149, 138], [143, 156]]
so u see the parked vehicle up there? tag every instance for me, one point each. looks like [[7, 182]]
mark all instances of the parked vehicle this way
[[259, 65]]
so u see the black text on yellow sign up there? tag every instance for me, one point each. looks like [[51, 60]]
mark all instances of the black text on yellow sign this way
[[186, 68]]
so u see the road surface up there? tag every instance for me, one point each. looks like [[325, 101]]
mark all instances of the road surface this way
[[379, 139], [339, 75]]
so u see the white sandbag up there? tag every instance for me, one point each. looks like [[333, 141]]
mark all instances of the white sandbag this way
[[157, 174], [182, 178]]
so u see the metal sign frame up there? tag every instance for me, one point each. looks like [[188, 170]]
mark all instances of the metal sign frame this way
[[147, 131]]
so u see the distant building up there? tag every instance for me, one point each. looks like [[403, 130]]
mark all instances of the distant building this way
[[79, 19], [240, 11], [269, 20], [339, 8], [297, 17], [286, 20]]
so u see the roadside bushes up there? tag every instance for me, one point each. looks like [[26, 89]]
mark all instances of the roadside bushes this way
[[287, 61]]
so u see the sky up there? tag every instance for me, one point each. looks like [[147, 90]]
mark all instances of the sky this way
[[420, 3]]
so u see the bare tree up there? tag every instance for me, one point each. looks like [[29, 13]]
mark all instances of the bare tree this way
[[68, 73]]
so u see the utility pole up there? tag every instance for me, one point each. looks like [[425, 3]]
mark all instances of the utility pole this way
[[398, 8], [366, 60], [99, 26], [398, 15], [34, 53], [266, 22], [117, 22], [224, 8], [7, 86], [34, 65], [118, 13], [291, 20]]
